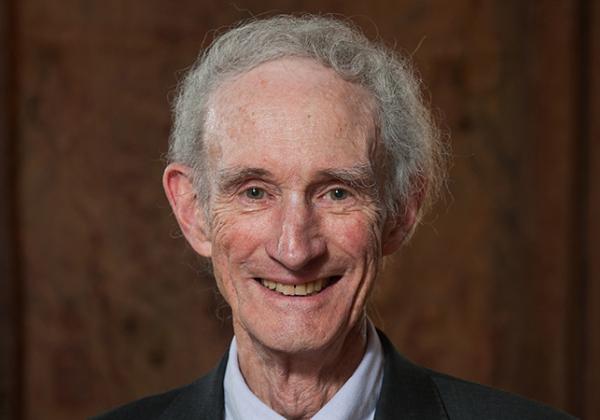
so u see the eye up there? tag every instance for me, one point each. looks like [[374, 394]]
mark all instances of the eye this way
[[338, 194], [255, 193]]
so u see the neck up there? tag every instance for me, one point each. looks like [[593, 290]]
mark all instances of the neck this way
[[298, 385]]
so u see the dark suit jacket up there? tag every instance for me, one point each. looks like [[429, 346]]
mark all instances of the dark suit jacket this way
[[408, 392]]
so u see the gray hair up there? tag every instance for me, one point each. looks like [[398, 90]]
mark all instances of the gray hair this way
[[412, 153]]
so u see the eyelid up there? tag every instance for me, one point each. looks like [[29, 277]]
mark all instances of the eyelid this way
[[245, 186], [327, 193], [250, 183], [339, 186]]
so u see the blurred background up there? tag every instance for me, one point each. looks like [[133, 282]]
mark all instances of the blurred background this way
[[101, 301]]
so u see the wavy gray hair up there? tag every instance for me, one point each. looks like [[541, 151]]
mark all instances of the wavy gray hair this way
[[411, 155]]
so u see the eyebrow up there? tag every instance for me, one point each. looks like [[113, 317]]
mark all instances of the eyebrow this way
[[229, 179], [360, 177]]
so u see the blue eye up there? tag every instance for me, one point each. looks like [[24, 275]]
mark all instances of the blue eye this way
[[255, 193], [338, 194]]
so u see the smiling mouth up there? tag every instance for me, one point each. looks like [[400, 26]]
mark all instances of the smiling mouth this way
[[304, 289]]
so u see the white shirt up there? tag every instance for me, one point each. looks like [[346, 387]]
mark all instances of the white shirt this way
[[355, 400]]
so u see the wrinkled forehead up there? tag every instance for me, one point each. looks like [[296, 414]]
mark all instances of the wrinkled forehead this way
[[291, 98]]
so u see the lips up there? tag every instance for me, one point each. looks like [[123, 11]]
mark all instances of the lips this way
[[304, 289]]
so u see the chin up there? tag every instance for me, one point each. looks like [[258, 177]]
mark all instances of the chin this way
[[295, 334]]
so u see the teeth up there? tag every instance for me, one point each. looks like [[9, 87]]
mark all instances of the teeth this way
[[268, 284], [298, 289], [318, 285]]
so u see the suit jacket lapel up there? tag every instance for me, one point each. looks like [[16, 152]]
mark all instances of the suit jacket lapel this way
[[407, 391], [203, 399]]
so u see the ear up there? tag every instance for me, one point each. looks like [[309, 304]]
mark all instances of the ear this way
[[179, 188], [399, 229]]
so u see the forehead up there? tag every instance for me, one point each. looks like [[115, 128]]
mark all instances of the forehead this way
[[290, 108]]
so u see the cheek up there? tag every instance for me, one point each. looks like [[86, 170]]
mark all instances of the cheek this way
[[235, 237], [358, 236], [233, 243]]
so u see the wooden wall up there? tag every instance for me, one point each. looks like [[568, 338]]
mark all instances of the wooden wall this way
[[101, 300]]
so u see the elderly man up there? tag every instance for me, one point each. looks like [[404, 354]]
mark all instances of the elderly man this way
[[302, 154]]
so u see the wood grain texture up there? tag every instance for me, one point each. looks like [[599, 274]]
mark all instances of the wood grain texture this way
[[10, 302], [591, 360], [117, 307], [550, 176], [496, 272]]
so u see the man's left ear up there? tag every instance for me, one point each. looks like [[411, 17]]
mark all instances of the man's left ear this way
[[399, 228]]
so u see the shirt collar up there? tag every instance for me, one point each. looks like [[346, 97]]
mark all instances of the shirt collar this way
[[356, 399]]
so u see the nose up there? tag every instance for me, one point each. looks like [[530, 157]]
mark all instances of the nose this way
[[296, 240]]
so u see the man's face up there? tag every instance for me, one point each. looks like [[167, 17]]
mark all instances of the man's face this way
[[294, 230]]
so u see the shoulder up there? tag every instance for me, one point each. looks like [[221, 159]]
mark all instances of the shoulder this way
[[150, 407], [423, 393], [202, 399], [467, 400]]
